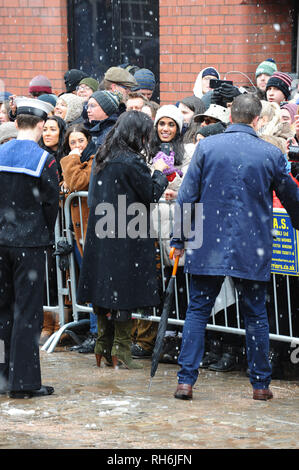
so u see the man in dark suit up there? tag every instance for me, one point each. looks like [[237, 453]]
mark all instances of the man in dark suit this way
[[28, 211], [233, 175]]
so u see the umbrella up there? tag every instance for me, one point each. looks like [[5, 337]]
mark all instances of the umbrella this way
[[164, 317]]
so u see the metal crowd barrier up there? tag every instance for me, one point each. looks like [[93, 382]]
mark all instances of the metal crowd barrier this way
[[64, 232]]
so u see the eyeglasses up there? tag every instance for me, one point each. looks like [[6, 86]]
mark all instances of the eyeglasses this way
[[124, 87], [82, 87], [92, 105]]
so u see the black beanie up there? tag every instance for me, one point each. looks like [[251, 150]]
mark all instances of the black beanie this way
[[72, 78], [212, 129]]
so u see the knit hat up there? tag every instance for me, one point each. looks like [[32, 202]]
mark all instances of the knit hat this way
[[214, 111], [120, 76], [210, 71], [40, 84], [268, 67], [172, 112], [8, 130], [292, 108], [282, 81], [145, 79], [4, 96], [212, 129], [194, 103], [49, 98], [108, 100], [74, 106], [72, 78], [91, 82]]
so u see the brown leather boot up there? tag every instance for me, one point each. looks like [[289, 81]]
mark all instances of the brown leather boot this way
[[48, 327]]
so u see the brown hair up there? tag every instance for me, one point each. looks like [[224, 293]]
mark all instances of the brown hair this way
[[28, 121]]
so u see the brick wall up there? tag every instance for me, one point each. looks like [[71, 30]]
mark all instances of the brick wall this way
[[231, 35], [33, 41]]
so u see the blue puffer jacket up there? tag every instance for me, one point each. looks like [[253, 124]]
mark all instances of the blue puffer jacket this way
[[233, 175]]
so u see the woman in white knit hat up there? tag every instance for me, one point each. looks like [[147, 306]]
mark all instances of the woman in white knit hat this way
[[167, 143]]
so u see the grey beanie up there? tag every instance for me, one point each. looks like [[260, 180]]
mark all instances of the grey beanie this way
[[108, 100], [8, 130]]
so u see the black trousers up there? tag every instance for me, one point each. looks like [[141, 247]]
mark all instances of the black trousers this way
[[22, 274]]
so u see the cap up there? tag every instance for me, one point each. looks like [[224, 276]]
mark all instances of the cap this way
[[8, 131], [210, 71], [40, 84], [72, 78], [121, 76], [33, 107], [91, 82], [48, 98], [145, 79], [267, 67], [108, 101], [282, 81]]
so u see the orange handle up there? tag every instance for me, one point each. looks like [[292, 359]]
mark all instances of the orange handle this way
[[176, 261]]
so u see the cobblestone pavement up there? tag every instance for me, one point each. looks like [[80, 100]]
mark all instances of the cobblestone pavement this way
[[103, 408]]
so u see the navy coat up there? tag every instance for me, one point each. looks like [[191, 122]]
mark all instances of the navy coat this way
[[233, 175], [30, 195]]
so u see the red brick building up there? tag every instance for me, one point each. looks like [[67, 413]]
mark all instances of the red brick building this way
[[36, 37]]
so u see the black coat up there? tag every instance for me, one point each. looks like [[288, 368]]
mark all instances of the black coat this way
[[119, 271]]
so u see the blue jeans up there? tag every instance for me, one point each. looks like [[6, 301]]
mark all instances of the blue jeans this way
[[252, 301]]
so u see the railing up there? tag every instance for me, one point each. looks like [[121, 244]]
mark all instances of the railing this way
[[228, 296]]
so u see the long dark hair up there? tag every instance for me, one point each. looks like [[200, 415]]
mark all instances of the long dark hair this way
[[130, 133], [176, 145], [74, 128], [62, 129]]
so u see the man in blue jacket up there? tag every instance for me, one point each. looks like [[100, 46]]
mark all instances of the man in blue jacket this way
[[233, 175]]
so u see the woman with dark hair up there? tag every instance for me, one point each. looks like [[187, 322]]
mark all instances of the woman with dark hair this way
[[118, 273], [76, 170], [52, 141], [53, 138]]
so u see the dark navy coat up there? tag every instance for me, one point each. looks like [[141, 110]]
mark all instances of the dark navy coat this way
[[233, 175], [29, 195]]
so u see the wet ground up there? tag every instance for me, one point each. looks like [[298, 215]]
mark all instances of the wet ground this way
[[102, 408]]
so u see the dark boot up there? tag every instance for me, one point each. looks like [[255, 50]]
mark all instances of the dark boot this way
[[48, 327], [104, 340], [212, 356], [226, 363], [121, 349]]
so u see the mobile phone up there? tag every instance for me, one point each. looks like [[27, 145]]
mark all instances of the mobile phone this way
[[214, 83], [166, 148]]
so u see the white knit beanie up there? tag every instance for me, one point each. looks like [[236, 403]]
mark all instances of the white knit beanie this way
[[172, 112]]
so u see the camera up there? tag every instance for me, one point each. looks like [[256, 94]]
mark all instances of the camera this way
[[294, 153]]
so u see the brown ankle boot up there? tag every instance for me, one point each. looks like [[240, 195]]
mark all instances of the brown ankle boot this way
[[48, 327]]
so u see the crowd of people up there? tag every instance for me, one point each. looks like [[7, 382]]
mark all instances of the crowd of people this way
[[94, 130]]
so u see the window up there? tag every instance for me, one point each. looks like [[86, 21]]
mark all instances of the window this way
[[105, 33]]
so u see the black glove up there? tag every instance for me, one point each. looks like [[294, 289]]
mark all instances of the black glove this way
[[63, 249], [228, 92]]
